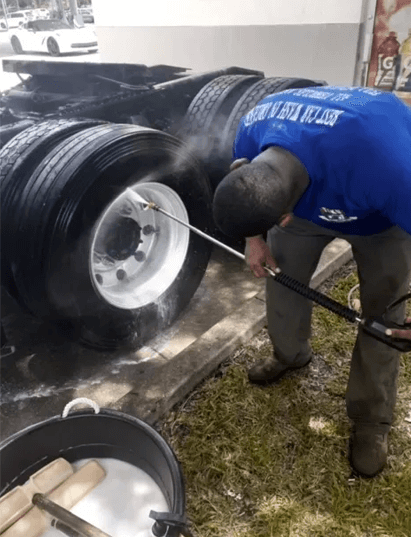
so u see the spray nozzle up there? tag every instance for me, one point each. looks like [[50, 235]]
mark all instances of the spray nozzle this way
[[133, 196]]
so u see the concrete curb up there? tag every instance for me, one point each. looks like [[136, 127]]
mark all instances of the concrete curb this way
[[337, 254], [175, 379]]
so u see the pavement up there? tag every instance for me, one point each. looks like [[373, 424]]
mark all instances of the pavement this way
[[46, 372]]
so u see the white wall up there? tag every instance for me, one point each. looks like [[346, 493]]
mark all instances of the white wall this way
[[225, 12], [299, 38]]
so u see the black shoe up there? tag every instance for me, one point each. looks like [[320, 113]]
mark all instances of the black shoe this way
[[271, 370], [368, 451]]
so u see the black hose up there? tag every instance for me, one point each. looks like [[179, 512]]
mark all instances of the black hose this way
[[315, 296]]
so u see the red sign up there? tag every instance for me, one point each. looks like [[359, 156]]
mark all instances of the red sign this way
[[390, 63]]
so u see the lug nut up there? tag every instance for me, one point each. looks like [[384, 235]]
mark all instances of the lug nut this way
[[149, 229], [125, 210], [140, 256], [121, 274], [99, 278]]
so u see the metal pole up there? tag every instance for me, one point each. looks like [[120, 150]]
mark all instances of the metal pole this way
[[67, 518], [365, 39], [60, 10], [201, 233], [5, 13], [76, 15]]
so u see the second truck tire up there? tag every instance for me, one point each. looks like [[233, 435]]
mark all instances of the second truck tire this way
[[19, 158]]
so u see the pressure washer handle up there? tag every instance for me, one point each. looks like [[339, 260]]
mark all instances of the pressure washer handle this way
[[374, 326], [377, 327], [317, 297]]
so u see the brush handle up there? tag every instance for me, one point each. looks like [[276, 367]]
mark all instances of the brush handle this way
[[66, 518]]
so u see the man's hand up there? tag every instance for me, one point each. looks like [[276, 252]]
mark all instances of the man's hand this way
[[404, 334], [257, 254]]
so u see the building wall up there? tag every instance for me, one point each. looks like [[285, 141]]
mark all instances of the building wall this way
[[305, 38]]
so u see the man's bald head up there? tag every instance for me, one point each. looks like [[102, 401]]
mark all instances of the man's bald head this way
[[252, 199]]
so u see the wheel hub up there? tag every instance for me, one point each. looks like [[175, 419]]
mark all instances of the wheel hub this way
[[120, 238]]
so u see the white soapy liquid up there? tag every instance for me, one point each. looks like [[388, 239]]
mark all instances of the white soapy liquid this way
[[120, 505]]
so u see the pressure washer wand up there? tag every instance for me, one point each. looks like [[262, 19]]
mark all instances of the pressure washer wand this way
[[150, 205], [376, 327]]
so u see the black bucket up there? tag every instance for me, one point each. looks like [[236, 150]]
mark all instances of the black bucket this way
[[106, 434]]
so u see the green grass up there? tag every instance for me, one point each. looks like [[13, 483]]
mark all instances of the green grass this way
[[262, 462]]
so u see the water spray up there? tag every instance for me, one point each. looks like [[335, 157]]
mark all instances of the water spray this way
[[377, 327]]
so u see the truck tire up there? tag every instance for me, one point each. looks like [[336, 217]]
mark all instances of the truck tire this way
[[89, 257], [209, 110], [249, 99], [7, 132], [19, 158], [207, 115]]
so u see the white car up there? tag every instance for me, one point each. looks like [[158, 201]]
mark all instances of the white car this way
[[41, 13], [16, 19], [87, 15], [52, 36], [28, 14]]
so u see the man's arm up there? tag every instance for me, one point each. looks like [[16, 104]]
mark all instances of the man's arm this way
[[257, 253]]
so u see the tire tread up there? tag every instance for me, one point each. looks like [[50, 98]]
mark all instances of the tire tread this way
[[20, 157], [209, 102], [255, 94]]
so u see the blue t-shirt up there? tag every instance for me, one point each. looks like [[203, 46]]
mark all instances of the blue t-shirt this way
[[356, 146]]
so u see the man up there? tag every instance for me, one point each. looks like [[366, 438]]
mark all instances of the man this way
[[310, 165]]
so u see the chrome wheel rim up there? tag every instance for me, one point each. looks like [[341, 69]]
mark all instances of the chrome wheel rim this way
[[137, 253]]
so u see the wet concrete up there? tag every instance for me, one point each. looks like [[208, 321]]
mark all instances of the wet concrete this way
[[46, 371]]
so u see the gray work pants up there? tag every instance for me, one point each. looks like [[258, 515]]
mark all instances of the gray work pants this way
[[384, 268]]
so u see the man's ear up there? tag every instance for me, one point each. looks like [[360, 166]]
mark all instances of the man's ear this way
[[238, 163]]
